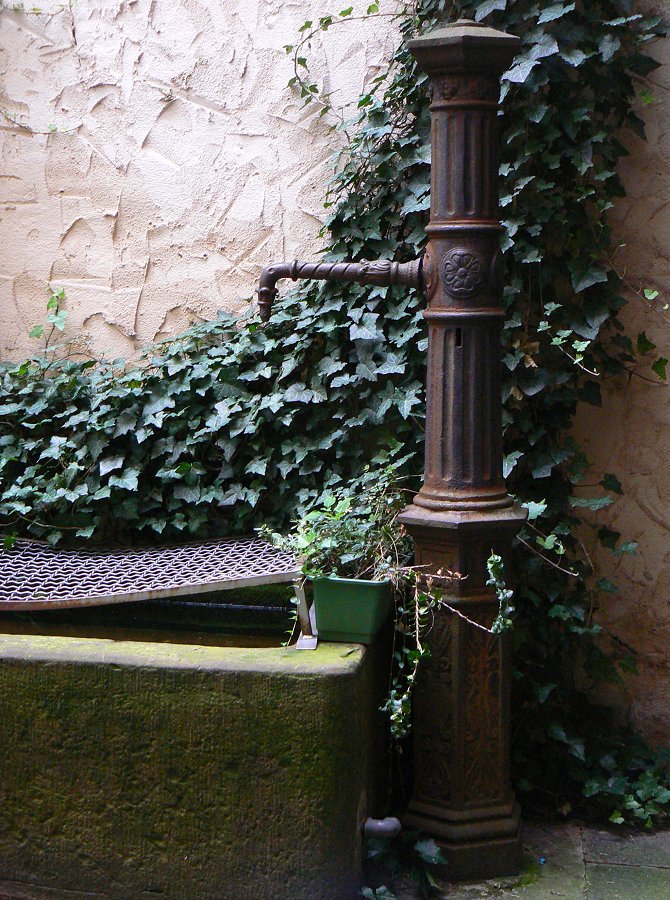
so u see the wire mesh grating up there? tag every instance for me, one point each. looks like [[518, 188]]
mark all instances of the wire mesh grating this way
[[34, 575]]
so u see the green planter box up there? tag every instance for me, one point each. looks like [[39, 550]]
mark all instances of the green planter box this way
[[348, 609]]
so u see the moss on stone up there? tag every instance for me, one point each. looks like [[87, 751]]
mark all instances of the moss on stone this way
[[192, 771]]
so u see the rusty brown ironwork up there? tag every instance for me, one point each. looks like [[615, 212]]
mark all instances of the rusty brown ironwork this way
[[462, 793], [382, 272]]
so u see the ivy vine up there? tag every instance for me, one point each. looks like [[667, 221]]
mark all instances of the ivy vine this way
[[233, 423]]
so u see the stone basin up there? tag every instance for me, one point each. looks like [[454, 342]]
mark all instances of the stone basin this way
[[143, 767]]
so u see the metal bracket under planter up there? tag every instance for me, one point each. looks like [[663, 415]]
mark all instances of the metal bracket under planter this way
[[351, 610], [309, 636]]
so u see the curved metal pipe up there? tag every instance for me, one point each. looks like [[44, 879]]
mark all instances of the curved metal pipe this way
[[387, 828], [382, 272]]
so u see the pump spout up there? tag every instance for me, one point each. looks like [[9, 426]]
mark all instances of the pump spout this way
[[382, 272]]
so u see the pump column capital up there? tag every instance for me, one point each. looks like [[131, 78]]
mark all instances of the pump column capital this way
[[465, 45]]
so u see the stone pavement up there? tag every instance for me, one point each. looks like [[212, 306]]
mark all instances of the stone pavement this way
[[582, 863], [561, 861]]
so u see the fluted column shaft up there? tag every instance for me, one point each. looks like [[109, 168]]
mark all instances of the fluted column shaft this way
[[462, 275]]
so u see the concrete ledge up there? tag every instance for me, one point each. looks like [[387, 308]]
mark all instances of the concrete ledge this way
[[134, 768]]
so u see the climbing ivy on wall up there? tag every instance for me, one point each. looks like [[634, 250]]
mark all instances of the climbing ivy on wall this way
[[233, 423]]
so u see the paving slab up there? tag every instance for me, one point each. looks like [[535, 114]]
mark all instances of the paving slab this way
[[556, 851], [574, 862], [606, 882], [628, 848], [553, 867]]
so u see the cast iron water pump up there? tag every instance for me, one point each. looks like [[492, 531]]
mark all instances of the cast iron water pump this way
[[462, 792]]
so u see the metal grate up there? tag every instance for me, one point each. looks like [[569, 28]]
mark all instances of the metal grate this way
[[36, 576]]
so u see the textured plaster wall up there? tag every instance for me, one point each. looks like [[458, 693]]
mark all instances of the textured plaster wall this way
[[191, 164], [630, 434]]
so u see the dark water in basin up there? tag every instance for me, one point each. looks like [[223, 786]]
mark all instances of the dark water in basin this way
[[251, 617]]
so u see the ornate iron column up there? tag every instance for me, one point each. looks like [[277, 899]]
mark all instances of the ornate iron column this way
[[462, 792]]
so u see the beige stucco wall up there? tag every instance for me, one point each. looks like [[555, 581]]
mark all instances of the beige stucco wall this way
[[192, 164], [630, 434]]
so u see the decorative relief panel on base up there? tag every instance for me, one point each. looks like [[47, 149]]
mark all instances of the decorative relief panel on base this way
[[433, 718], [483, 741]]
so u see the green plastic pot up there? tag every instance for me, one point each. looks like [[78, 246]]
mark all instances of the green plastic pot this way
[[351, 610]]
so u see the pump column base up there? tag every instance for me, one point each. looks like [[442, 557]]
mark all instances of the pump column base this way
[[479, 845], [462, 794]]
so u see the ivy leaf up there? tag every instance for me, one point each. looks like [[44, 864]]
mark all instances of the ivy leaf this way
[[57, 319], [574, 57], [659, 367], [520, 72], [627, 547], [430, 852], [547, 543], [407, 404], [554, 12], [110, 464], [604, 584], [608, 537], [594, 503], [544, 46], [608, 46], [644, 345], [328, 366], [557, 731], [584, 273], [380, 893], [578, 750], [623, 20], [188, 493], [510, 461], [489, 6], [364, 371], [366, 330], [298, 393], [535, 509], [128, 481], [543, 691], [538, 113], [415, 204], [611, 483]]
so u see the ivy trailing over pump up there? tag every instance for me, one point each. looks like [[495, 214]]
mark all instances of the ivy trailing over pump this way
[[232, 424]]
